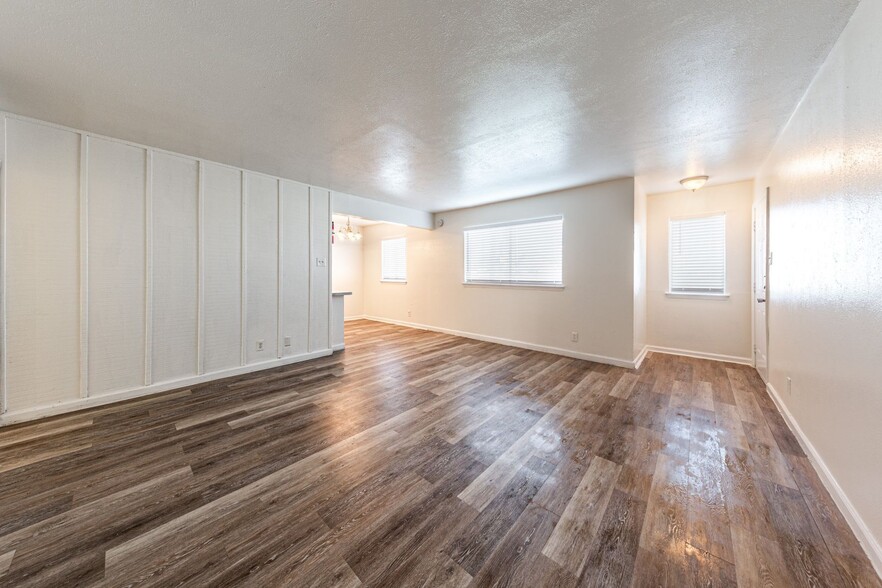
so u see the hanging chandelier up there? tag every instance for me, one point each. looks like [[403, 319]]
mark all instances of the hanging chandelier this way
[[348, 232]]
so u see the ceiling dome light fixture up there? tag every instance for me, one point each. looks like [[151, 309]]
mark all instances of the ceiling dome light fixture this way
[[694, 183], [348, 232]]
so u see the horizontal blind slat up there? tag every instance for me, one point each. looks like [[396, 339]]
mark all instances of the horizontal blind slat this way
[[524, 252], [697, 250], [393, 254]]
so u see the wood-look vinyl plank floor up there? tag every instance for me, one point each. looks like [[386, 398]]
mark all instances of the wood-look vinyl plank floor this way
[[420, 459]]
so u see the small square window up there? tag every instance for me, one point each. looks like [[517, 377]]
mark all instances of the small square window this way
[[394, 259], [697, 254]]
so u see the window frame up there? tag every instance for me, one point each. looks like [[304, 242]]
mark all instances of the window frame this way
[[383, 277], [515, 284], [724, 293]]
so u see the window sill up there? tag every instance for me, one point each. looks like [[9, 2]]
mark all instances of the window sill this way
[[516, 285], [393, 281], [708, 295]]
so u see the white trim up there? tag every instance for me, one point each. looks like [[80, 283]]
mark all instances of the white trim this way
[[200, 268], [700, 354], [539, 285], [393, 281], [148, 267], [280, 342], [753, 283], [358, 317], [243, 267], [625, 363], [858, 526], [329, 262], [4, 156], [310, 279], [638, 361], [708, 295], [338, 347], [92, 401], [84, 265]]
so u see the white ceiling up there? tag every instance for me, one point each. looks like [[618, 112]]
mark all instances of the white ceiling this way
[[432, 105]]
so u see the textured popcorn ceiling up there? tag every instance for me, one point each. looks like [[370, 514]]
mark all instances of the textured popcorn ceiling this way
[[432, 105]]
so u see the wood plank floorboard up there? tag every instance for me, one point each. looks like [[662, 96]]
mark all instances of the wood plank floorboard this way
[[415, 458]]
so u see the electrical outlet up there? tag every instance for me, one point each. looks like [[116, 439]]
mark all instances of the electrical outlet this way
[[260, 345], [287, 341], [320, 262], [408, 314], [789, 386], [574, 337]]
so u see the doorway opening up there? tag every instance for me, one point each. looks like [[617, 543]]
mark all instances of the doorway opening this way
[[347, 272], [761, 263]]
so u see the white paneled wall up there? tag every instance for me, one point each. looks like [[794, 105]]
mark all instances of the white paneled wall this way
[[222, 268], [319, 304], [128, 270], [261, 278], [294, 291], [175, 267], [116, 196], [41, 251]]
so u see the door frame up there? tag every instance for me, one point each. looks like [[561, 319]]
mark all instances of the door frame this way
[[755, 290]]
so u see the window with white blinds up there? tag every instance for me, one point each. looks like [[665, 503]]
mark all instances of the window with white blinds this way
[[697, 250], [526, 252], [394, 259]]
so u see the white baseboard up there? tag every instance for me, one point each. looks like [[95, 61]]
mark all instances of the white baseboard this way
[[700, 354], [338, 347], [638, 361], [354, 318], [39, 412], [625, 363], [858, 527]]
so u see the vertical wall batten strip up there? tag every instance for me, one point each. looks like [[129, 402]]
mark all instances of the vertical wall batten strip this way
[[200, 268], [148, 267], [243, 269], [4, 158], [309, 325], [280, 343], [84, 265], [330, 263]]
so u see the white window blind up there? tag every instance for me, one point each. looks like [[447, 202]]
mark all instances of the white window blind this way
[[394, 259], [698, 254], [525, 252]]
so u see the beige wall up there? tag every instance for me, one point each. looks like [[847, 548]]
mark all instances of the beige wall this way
[[825, 294], [346, 275], [703, 326], [640, 252], [597, 300]]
